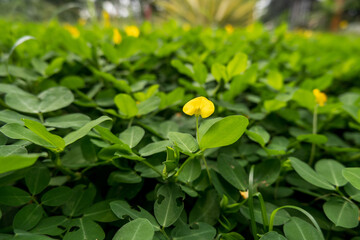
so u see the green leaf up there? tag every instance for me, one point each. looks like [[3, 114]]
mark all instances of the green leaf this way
[[52, 226], [200, 72], [353, 176], [219, 72], [304, 98], [331, 170], [196, 231], [184, 141], [85, 229], [237, 65], [153, 148], [168, 205], [37, 178], [74, 120], [9, 116], [273, 105], [191, 171], [83, 131], [267, 172], [55, 66], [312, 138], [224, 132], [342, 212], [7, 150], [12, 196], [275, 80], [56, 196], [80, 199], [28, 217], [41, 131], [258, 134], [206, 209], [72, 82], [126, 105], [132, 136], [17, 161], [47, 101], [100, 212], [148, 106], [138, 229], [205, 125], [122, 208], [17, 131], [182, 68], [232, 171], [308, 174], [298, 229], [117, 177], [272, 236]]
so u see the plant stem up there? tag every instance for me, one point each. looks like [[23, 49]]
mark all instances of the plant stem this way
[[183, 165], [251, 203], [197, 128], [152, 167], [164, 233], [206, 166], [263, 210], [130, 122], [314, 130], [63, 169]]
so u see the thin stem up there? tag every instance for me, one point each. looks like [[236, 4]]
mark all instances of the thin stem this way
[[339, 192], [263, 210], [183, 165], [314, 130], [272, 217], [206, 166], [152, 167], [251, 203], [164, 233], [197, 128], [63, 169]]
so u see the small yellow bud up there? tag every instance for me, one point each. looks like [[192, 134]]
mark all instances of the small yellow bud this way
[[320, 97], [199, 106], [116, 36], [106, 18], [229, 28], [244, 194], [132, 31], [72, 30]]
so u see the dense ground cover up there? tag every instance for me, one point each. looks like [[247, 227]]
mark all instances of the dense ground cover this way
[[93, 138]]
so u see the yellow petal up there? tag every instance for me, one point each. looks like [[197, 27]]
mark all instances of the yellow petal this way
[[116, 36], [199, 106], [320, 97], [132, 31]]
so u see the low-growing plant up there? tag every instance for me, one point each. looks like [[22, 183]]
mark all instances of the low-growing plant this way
[[175, 132]]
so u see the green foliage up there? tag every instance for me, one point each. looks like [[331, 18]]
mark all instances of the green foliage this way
[[94, 144]]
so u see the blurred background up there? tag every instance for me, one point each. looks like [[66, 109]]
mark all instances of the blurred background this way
[[331, 15]]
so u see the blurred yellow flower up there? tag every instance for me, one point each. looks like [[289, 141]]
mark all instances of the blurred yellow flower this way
[[244, 194], [344, 24], [72, 30], [82, 21], [116, 36], [320, 97], [132, 31], [199, 106], [229, 28], [186, 27], [106, 18]]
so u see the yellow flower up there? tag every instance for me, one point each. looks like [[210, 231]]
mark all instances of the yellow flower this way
[[343, 24], [244, 194], [229, 28], [199, 106], [132, 31], [106, 18], [320, 97], [116, 36], [72, 30]]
